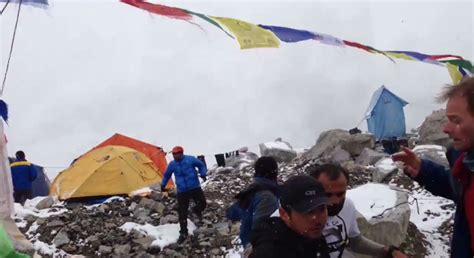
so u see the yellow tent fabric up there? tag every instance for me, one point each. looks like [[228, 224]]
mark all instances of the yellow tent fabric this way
[[110, 170], [248, 35]]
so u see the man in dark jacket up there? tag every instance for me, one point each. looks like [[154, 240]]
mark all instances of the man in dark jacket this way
[[457, 184], [23, 174], [188, 186], [258, 201], [298, 230]]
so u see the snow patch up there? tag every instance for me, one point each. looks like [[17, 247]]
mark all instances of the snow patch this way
[[386, 164], [21, 212], [277, 145], [372, 199], [163, 234]]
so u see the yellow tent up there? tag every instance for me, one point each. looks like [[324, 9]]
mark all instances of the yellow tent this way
[[110, 170]]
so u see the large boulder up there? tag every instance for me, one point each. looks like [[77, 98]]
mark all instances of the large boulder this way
[[280, 150], [369, 157], [383, 212], [329, 141], [45, 203], [384, 168], [431, 130], [435, 153]]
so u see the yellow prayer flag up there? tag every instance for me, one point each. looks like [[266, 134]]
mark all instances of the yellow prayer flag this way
[[248, 35], [398, 55], [454, 72]]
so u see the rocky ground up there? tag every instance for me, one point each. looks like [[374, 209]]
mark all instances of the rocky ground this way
[[95, 230]]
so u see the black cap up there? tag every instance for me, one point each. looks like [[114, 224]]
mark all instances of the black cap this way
[[302, 194]]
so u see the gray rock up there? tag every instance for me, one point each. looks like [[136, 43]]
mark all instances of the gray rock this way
[[431, 130], [145, 203], [156, 196], [169, 219], [286, 154], [205, 244], [383, 169], [356, 143], [122, 250], [55, 223], [391, 228], [61, 238], [145, 242], [205, 231], [328, 141], [158, 208], [222, 228], [105, 249], [339, 155], [47, 202], [41, 221], [91, 239], [369, 157], [30, 218]]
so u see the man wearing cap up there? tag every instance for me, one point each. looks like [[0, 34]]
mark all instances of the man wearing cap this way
[[188, 186], [298, 230], [258, 201], [341, 230]]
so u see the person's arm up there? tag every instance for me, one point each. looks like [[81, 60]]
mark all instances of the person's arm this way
[[363, 245], [437, 179], [265, 203], [234, 212], [200, 166], [166, 177]]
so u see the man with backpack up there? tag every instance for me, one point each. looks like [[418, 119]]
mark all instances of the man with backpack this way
[[258, 201]]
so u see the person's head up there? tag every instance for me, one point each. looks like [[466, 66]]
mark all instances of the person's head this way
[[334, 179], [178, 153], [20, 155], [460, 113], [266, 167], [303, 206]]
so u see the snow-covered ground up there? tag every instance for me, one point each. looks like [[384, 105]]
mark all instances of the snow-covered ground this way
[[430, 217], [163, 234]]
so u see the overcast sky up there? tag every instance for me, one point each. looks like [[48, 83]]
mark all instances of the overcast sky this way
[[84, 70]]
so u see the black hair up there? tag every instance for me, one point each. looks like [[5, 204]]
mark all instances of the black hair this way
[[266, 167], [333, 171], [20, 155]]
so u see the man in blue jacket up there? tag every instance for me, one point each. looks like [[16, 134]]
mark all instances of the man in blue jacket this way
[[457, 184], [23, 174], [188, 186], [258, 201]]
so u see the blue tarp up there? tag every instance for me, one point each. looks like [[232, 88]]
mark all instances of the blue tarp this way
[[385, 116]]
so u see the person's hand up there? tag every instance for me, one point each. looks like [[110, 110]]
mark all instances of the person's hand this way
[[394, 252], [398, 254], [411, 161], [204, 178]]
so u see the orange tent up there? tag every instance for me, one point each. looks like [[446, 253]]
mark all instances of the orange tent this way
[[155, 153]]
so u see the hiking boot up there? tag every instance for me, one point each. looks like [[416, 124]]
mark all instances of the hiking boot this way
[[182, 238]]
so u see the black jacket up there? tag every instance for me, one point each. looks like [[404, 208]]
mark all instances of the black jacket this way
[[272, 238]]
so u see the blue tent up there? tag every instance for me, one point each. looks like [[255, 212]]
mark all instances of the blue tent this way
[[385, 116]]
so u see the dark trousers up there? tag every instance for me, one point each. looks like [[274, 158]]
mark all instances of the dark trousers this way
[[183, 204], [22, 195]]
